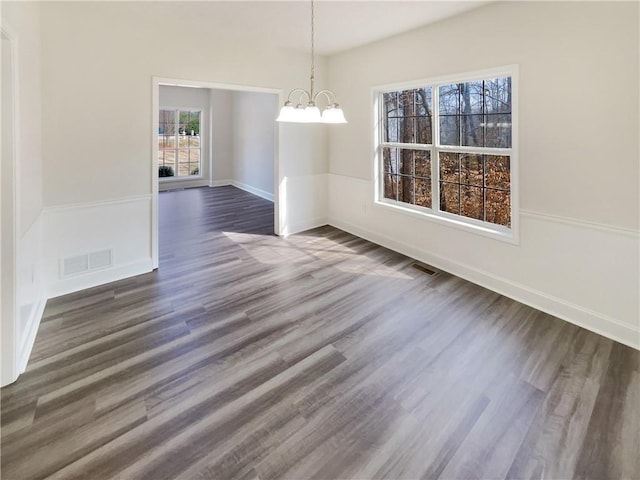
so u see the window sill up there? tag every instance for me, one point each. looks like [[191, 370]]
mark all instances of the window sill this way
[[502, 234]]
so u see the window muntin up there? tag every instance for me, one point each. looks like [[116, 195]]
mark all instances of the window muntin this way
[[476, 114], [407, 116], [476, 186], [179, 143], [407, 175], [464, 131]]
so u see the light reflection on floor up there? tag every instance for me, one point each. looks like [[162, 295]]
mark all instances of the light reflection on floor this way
[[271, 250]]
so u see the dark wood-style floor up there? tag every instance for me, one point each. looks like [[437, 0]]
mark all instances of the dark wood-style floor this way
[[318, 356]]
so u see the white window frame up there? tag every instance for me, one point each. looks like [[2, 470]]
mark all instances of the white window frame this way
[[507, 234], [178, 178]]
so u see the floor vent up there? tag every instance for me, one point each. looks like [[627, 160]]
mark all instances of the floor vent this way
[[424, 268], [85, 263]]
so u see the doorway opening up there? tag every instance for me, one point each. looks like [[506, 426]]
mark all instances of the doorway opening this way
[[213, 135]]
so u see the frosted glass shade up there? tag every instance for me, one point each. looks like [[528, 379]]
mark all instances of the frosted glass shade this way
[[287, 114], [312, 114], [299, 114], [333, 115]]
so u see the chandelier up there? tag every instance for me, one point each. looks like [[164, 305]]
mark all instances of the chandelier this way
[[309, 112]]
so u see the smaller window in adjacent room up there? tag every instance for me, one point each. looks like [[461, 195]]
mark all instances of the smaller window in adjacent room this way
[[179, 143], [446, 149]]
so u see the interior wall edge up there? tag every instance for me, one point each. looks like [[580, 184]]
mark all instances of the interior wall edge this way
[[304, 201], [31, 295]]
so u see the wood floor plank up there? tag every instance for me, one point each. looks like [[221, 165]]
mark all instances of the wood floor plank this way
[[316, 356], [50, 449], [561, 425], [611, 447]]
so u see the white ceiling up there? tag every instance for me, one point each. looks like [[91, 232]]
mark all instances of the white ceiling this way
[[340, 24]]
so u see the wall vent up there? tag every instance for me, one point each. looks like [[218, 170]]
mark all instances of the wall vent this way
[[100, 259], [86, 263], [429, 270], [75, 265]]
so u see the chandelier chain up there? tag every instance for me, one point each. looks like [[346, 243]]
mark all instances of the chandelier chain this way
[[312, 47], [311, 113]]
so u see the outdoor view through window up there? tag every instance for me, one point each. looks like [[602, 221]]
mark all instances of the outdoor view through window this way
[[448, 148], [179, 143]]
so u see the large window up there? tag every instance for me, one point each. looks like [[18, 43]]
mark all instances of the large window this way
[[446, 150], [179, 145]]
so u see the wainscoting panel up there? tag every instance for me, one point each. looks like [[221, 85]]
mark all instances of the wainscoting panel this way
[[122, 227]]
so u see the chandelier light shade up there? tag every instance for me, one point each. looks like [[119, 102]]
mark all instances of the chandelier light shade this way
[[306, 109]]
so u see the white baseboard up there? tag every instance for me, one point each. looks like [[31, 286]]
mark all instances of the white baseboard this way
[[221, 183], [557, 307], [256, 191], [305, 225], [99, 277], [243, 186], [182, 184], [33, 323]]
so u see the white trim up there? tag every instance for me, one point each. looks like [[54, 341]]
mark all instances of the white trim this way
[[126, 260], [184, 178], [242, 186], [355, 179], [183, 183], [256, 191], [155, 183], [211, 144], [29, 339], [587, 224], [221, 183], [445, 79], [450, 220], [96, 204], [177, 82], [305, 225], [99, 277], [570, 312], [11, 357], [629, 232]]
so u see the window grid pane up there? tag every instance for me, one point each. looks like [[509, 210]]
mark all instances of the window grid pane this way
[[407, 175], [475, 114], [407, 116], [476, 186], [179, 143]]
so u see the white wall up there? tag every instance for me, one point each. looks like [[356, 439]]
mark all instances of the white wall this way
[[22, 22], [7, 216], [579, 169], [120, 63], [254, 131], [97, 150], [222, 150]]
